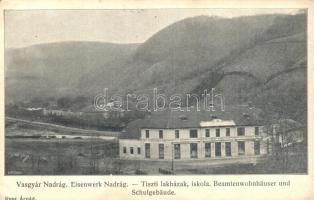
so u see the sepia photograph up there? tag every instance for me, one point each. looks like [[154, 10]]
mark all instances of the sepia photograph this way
[[164, 91]]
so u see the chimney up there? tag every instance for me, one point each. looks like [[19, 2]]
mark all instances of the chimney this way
[[213, 117]]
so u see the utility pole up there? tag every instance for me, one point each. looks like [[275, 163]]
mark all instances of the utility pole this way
[[172, 160]]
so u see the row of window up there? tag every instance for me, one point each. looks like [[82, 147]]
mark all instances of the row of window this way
[[194, 149], [194, 134], [208, 150], [132, 150]]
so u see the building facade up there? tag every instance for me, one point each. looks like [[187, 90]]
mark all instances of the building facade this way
[[211, 139]]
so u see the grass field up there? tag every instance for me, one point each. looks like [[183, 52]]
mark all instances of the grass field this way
[[60, 156]]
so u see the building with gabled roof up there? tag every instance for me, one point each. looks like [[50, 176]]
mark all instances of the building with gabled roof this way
[[238, 131]]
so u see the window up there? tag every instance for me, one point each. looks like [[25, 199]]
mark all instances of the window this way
[[138, 150], [241, 131], [207, 133], [241, 148], [161, 134], [257, 147], [217, 132], [147, 150], [124, 149], [177, 151], [177, 134], [147, 133], [217, 149], [228, 148], [131, 150], [227, 132], [257, 131], [161, 151], [193, 133], [208, 150], [193, 150]]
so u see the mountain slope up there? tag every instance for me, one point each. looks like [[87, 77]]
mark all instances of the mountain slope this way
[[284, 96], [240, 57], [236, 56], [63, 69], [197, 46]]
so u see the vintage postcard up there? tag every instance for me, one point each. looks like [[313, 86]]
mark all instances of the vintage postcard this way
[[156, 101]]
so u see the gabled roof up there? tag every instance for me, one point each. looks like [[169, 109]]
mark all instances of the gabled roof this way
[[231, 116]]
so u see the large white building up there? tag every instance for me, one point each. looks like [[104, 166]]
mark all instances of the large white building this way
[[229, 134]]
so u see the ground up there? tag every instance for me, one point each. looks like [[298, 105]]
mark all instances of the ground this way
[[59, 156], [71, 156], [97, 156]]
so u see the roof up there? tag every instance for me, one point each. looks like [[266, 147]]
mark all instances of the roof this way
[[231, 116]]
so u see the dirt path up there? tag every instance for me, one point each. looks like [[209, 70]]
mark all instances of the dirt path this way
[[64, 129]]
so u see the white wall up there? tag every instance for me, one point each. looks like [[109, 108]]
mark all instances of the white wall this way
[[131, 143], [185, 140]]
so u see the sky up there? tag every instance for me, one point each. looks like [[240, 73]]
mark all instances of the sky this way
[[28, 27]]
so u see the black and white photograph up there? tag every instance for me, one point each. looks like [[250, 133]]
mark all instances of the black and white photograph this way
[[167, 91]]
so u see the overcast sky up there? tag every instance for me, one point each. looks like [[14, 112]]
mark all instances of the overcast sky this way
[[24, 28]]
